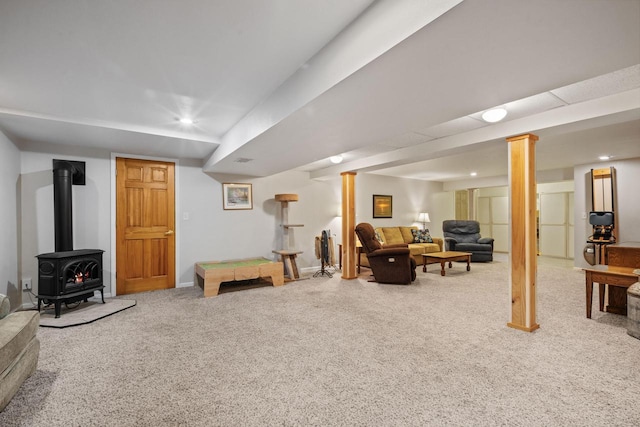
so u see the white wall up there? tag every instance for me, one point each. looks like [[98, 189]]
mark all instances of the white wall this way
[[627, 203], [212, 233], [9, 218], [91, 207], [410, 197]]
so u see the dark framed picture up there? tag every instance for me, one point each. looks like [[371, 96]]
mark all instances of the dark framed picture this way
[[236, 196], [382, 206]]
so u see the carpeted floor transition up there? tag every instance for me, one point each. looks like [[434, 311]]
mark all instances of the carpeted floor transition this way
[[328, 352], [83, 312]]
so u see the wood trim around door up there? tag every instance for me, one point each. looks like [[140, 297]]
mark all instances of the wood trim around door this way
[[145, 225]]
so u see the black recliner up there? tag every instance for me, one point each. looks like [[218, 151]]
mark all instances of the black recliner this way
[[464, 236]]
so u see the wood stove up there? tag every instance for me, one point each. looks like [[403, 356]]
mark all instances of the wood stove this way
[[67, 275]]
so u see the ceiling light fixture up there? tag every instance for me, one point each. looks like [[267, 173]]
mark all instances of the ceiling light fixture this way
[[474, 174], [604, 157], [335, 159], [494, 115], [186, 121]]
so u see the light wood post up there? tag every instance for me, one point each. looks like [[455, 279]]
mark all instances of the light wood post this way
[[349, 260], [522, 253]]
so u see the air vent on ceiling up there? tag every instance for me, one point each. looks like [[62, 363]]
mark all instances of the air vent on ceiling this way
[[243, 160]]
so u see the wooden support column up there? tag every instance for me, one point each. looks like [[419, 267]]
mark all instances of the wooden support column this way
[[522, 253], [349, 259]]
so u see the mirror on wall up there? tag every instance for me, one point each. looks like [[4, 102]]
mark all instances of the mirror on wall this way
[[602, 189]]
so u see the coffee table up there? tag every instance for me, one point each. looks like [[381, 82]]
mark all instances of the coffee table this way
[[443, 258]]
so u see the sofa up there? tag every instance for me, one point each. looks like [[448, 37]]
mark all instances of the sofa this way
[[19, 349], [401, 234], [464, 236]]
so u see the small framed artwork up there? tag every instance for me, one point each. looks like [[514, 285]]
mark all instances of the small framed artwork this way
[[382, 206], [236, 196]]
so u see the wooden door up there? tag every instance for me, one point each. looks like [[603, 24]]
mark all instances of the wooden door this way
[[145, 223]]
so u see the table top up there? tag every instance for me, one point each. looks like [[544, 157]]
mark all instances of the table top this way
[[626, 245], [620, 271], [234, 263], [446, 254]]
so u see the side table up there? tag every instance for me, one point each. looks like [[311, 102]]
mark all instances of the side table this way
[[358, 253]]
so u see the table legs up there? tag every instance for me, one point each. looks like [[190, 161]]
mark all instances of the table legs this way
[[589, 289], [358, 254]]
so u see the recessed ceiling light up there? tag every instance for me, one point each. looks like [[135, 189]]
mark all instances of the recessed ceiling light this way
[[186, 121], [474, 174], [604, 157], [335, 159], [494, 115]]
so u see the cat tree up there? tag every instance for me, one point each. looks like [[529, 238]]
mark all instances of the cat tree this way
[[287, 254]]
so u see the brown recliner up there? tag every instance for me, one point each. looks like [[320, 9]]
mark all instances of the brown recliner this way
[[389, 263]]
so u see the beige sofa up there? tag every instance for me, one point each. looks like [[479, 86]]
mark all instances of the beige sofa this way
[[395, 235], [19, 349]]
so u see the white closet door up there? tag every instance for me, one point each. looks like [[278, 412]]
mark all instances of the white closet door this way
[[500, 224], [553, 225], [571, 221], [484, 216]]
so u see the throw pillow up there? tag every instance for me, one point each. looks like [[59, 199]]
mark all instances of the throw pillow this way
[[421, 236], [379, 238]]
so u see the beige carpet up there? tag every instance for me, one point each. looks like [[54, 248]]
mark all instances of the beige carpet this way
[[328, 352], [85, 312]]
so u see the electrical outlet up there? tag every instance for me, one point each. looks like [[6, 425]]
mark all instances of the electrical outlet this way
[[26, 284]]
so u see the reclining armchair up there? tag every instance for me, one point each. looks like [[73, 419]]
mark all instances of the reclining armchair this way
[[464, 236], [389, 264]]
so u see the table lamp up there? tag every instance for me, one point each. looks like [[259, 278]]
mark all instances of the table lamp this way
[[423, 217]]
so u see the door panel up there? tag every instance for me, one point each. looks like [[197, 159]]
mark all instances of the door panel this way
[[500, 234], [553, 240], [553, 228], [145, 222]]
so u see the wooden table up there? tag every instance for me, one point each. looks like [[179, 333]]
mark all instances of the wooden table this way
[[443, 258], [622, 277], [209, 275], [358, 253]]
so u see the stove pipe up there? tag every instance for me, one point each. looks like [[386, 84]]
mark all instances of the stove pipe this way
[[65, 174]]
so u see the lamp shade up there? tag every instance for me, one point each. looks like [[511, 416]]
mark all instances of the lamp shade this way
[[423, 217]]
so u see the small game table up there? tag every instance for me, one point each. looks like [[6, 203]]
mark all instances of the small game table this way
[[209, 275]]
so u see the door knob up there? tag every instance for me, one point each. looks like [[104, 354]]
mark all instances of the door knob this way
[[168, 233]]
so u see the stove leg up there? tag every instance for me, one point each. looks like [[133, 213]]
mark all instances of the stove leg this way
[[102, 295], [58, 304]]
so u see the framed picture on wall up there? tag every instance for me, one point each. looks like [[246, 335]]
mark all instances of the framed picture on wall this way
[[236, 196], [382, 206]]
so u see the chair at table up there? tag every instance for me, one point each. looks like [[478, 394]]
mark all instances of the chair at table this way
[[390, 263]]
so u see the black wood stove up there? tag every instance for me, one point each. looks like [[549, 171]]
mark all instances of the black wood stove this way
[[67, 275]]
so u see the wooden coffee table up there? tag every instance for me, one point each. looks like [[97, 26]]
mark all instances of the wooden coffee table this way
[[443, 258]]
